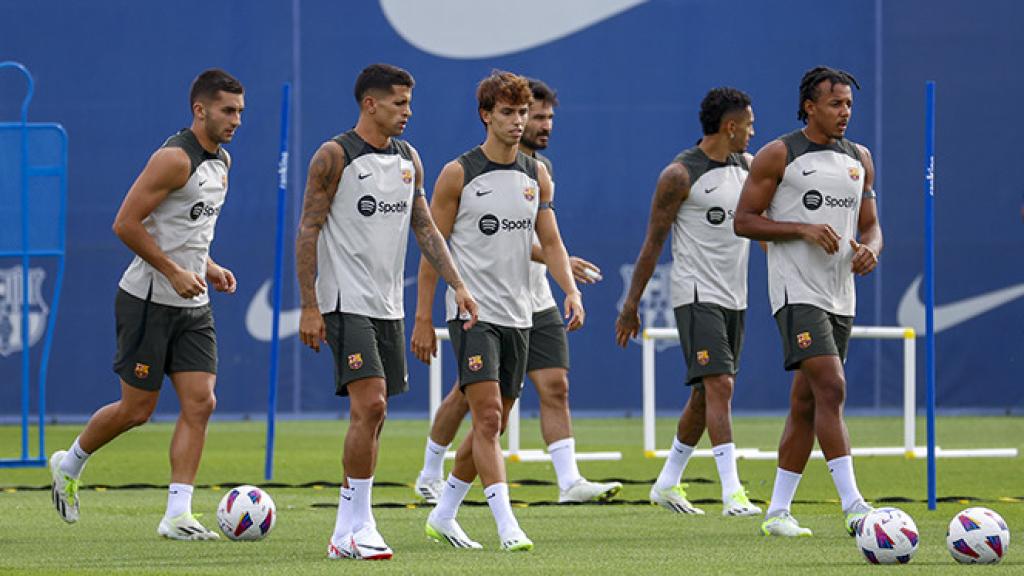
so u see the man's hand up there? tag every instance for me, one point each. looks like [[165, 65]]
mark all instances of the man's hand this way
[[864, 258], [221, 278], [467, 307], [584, 271], [424, 342], [574, 311], [823, 235], [627, 325], [187, 284], [311, 328]]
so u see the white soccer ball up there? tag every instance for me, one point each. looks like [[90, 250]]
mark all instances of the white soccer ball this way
[[246, 513], [977, 536], [887, 536]]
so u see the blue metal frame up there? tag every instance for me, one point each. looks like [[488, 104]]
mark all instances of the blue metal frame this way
[[26, 253]]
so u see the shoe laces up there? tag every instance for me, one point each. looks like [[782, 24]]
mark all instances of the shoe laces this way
[[740, 497], [680, 489], [71, 487]]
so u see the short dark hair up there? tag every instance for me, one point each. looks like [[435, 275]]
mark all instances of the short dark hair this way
[[813, 77], [717, 103], [211, 81], [381, 77], [542, 92]]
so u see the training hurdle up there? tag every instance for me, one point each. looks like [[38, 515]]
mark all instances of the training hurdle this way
[[515, 452], [909, 449]]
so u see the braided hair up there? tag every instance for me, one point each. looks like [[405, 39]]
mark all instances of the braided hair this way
[[813, 77]]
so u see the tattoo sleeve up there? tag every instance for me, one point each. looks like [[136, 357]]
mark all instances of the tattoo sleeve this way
[[321, 186], [432, 244], [672, 190]]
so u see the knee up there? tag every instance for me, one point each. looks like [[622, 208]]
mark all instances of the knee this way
[[830, 394], [136, 414], [200, 408], [371, 412], [487, 421], [718, 389], [555, 392]]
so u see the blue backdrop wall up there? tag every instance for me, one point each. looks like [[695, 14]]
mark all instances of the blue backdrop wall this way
[[630, 75]]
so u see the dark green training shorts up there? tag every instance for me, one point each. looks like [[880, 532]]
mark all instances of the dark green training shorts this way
[[154, 339]]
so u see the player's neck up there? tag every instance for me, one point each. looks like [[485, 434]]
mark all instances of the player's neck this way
[[715, 146], [817, 136], [204, 140], [372, 135], [527, 150], [499, 152]]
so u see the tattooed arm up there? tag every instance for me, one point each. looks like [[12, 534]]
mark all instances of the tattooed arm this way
[[321, 184], [672, 189]]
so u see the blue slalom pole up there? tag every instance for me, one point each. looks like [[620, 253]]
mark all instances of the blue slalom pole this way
[[929, 278], [275, 344]]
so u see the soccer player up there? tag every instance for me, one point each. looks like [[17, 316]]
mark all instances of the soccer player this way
[[364, 190], [547, 362], [696, 198], [164, 320], [809, 195], [489, 201]]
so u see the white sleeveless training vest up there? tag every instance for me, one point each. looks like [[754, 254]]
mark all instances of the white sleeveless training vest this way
[[361, 249], [709, 261], [183, 225], [821, 185], [492, 236]]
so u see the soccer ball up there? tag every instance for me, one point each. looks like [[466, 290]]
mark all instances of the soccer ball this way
[[887, 536], [246, 513], [977, 536]]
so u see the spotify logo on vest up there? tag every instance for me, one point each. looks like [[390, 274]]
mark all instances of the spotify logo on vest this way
[[200, 209], [715, 215], [488, 224], [367, 205], [812, 200]]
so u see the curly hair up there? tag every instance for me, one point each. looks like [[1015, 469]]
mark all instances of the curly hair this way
[[813, 77], [505, 86], [717, 103]]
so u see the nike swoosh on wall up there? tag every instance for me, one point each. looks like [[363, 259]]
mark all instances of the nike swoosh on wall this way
[[259, 317], [911, 310], [474, 29]]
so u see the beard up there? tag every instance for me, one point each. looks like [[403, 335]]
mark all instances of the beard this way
[[531, 141]]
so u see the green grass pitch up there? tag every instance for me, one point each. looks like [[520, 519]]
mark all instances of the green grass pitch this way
[[117, 532]]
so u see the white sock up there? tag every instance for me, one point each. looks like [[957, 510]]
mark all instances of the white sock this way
[[433, 460], [563, 457], [672, 471], [343, 521], [74, 460], [783, 492], [725, 459], [362, 499], [501, 508], [454, 493], [846, 484], [179, 500]]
